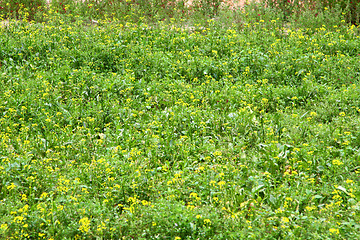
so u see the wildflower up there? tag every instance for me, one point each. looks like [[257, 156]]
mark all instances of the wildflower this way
[[190, 207], [4, 227], [84, 224], [194, 195], [342, 114], [285, 220], [23, 197], [11, 186], [18, 219], [221, 183], [349, 181], [207, 221], [309, 209], [217, 153], [337, 162], [101, 227], [334, 231], [199, 169]]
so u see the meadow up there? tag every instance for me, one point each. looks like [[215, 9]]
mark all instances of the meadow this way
[[213, 123]]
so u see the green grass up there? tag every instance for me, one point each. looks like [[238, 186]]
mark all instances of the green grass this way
[[245, 126]]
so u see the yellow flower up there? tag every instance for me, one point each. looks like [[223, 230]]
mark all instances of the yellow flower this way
[[177, 238], [101, 227], [23, 197], [4, 226], [349, 181], [309, 209], [221, 183], [217, 153], [342, 114], [18, 219], [11, 186], [285, 220], [337, 162], [144, 202], [84, 224], [207, 221], [44, 195], [334, 230], [193, 195]]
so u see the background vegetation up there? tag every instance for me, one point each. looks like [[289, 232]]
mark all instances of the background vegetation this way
[[155, 120]]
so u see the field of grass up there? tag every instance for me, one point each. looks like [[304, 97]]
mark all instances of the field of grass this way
[[242, 126]]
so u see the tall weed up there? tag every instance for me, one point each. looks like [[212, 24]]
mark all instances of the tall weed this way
[[350, 9]]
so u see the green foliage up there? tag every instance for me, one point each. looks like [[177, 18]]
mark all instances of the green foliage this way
[[21, 8], [290, 7], [125, 10], [152, 11], [241, 126]]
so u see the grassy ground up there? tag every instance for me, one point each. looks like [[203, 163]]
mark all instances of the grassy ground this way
[[245, 126]]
